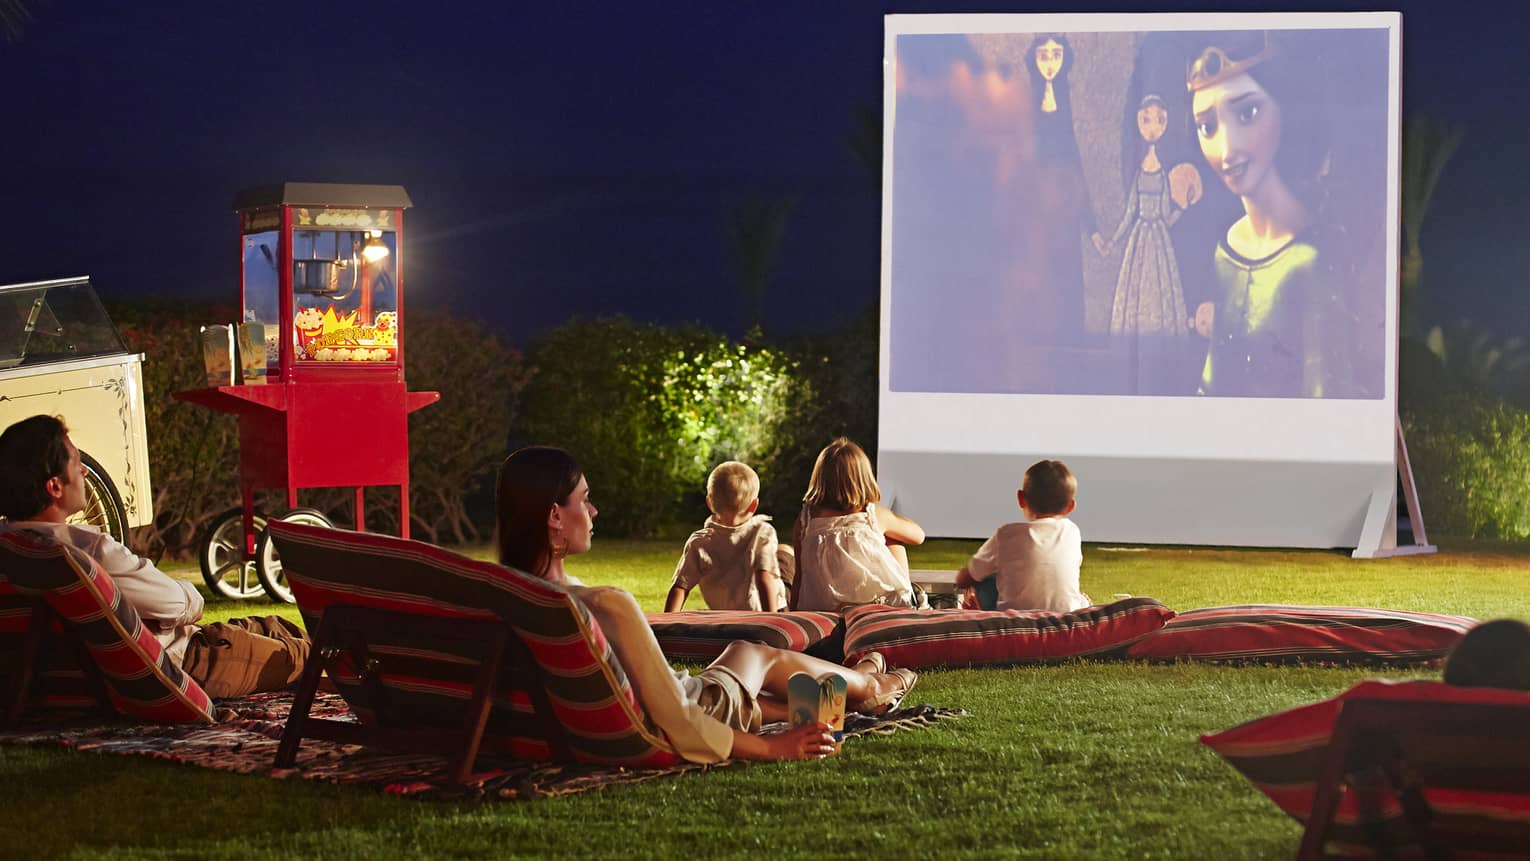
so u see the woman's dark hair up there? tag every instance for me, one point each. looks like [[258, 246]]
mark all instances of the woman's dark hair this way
[[1494, 654], [531, 482], [1296, 78], [31, 452]]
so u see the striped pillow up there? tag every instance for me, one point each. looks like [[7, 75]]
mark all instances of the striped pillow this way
[[1278, 632], [701, 635], [141, 681], [926, 638], [1283, 755], [427, 684]]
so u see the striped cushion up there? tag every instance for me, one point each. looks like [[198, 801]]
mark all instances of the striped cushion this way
[[925, 638], [1277, 632], [141, 681], [702, 634], [1283, 755], [426, 684]]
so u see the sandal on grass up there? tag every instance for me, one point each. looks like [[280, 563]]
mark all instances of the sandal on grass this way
[[883, 703]]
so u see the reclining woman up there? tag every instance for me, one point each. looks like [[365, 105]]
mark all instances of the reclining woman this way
[[545, 514]]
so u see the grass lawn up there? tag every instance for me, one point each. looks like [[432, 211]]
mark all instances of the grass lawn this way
[[1082, 760]]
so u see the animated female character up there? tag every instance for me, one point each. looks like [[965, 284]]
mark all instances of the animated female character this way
[[1149, 299], [1062, 214], [1275, 269]]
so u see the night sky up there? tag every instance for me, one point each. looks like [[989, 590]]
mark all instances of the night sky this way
[[584, 158]]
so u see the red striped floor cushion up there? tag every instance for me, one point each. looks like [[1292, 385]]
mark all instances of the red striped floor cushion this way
[[701, 635], [141, 681], [926, 638], [426, 684], [1282, 755], [1280, 632]]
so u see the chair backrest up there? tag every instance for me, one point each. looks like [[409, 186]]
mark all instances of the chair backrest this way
[[141, 680], [1442, 777], [425, 683]]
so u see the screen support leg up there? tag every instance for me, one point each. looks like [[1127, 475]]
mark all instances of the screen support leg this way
[[1378, 537]]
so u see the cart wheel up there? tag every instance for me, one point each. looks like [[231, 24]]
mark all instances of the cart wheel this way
[[268, 565], [221, 552], [103, 505]]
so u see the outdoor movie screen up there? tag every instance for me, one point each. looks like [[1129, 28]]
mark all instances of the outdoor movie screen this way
[[1157, 238], [1169, 213]]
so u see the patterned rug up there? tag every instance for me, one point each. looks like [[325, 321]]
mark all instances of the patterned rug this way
[[250, 729]]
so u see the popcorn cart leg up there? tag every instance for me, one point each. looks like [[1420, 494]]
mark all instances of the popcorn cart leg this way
[[403, 510], [247, 492], [361, 517]]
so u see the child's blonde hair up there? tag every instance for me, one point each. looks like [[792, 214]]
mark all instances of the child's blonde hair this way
[[731, 487], [1049, 487], [842, 478]]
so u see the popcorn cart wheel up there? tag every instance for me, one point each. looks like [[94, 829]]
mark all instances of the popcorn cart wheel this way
[[268, 563], [103, 504], [222, 555]]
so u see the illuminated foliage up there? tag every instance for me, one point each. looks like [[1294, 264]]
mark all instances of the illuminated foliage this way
[[649, 410], [1470, 450]]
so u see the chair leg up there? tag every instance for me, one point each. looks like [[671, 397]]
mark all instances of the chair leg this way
[[1325, 801], [477, 716], [302, 703]]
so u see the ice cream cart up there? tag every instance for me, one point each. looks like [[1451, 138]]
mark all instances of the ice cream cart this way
[[60, 355], [316, 375]]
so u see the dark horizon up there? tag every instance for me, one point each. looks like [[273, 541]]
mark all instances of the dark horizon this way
[[580, 161]]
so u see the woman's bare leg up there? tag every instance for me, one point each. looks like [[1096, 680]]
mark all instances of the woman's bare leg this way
[[772, 709], [765, 670]]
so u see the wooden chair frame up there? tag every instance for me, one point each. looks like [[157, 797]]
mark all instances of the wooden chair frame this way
[[1391, 747], [32, 661], [348, 631]]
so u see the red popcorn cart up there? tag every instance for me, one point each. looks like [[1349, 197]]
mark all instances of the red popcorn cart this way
[[315, 369]]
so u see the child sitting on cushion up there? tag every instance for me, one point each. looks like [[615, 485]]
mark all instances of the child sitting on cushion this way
[[1494, 654], [1032, 565], [735, 556], [850, 551]]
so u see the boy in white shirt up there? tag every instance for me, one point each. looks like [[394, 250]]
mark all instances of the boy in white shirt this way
[[1032, 565], [734, 556]]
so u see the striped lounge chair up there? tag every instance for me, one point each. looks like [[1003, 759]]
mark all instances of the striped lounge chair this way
[[68, 639], [438, 653]]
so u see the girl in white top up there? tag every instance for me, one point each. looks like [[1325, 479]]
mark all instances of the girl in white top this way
[[545, 514], [849, 549]]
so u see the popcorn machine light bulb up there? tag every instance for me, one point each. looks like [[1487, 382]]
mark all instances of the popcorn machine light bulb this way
[[374, 250]]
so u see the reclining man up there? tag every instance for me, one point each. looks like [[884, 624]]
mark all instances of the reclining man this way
[[42, 485]]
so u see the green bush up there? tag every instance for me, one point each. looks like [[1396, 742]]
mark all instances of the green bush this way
[[649, 410], [1470, 452]]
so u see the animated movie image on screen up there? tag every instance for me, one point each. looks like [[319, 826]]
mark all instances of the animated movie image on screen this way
[[1171, 213]]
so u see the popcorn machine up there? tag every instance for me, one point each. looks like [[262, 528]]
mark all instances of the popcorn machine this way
[[318, 383]]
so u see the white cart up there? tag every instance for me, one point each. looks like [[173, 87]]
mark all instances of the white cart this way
[[60, 355]]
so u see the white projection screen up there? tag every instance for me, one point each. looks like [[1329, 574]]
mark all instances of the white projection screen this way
[[1161, 248]]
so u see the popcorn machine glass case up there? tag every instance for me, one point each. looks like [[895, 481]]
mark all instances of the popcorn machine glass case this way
[[323, 283]]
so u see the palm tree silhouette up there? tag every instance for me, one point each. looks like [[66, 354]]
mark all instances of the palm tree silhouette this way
[[1426, 147]]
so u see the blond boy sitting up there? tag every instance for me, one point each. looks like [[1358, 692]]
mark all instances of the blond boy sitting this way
[[734, 557]]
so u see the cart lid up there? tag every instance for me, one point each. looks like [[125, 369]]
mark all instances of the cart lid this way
[[323, 194]]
